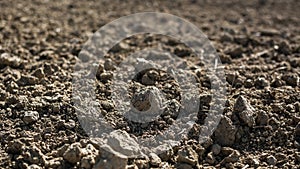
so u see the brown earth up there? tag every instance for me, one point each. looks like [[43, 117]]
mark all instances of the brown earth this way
[[257, 42]]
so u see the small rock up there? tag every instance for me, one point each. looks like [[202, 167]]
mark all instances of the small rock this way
[[154, 160], [166, 155], [277, 82], [7, 60], [243, 40], [183, 166], [269, 32], [236, 52], [233, 157], [87, 162], [297, 133], [108, 65], [226, 151], [122, 46], [291, 79], [122, 144], [248, 83], [48, 69], [27, 80], [106, 76], [210, 158], [150, 77], [216, 149], [226, 38], [225, 58], [73, 154], [3, 95], [70, 124], [39, 73], [262, 118], [47, 54], [106, 105], [113, 162], [142, 163], [297, 156], [15, 147], [34, 166], [30, 117], [225, 132], [284, 48], [54, 163], [255, 162], [245, 111], [271, 160], [187, 155], [261, 82]]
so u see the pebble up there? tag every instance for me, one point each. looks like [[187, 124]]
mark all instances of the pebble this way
[[108, 65], [261, 82], [233, 157], [3, 95], [277, 82], [150, 77], [142, 163], [248, 83], [236, 52], [216, 149], [8, 60], [297, 157], [243, 40], [48, 69], [210, 158], [111, 163], [27, 80], [166, 155], [73, 154], [39, 73], [291, 79], [271, 160], [87, 162], [224, 135], [187, 155], [226, 38], [245, 111], [262, 118], [106, 76], [183, 166], [269, 32], [30, 117], [297, 132], [15, 147], [154, 159], [34, 166]]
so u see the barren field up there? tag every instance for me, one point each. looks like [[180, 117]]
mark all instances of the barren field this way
[[258, 43]]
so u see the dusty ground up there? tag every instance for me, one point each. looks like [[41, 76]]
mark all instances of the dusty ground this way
[[257, 41]]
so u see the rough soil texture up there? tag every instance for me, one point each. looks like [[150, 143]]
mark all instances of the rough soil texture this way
[[258, 43]]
